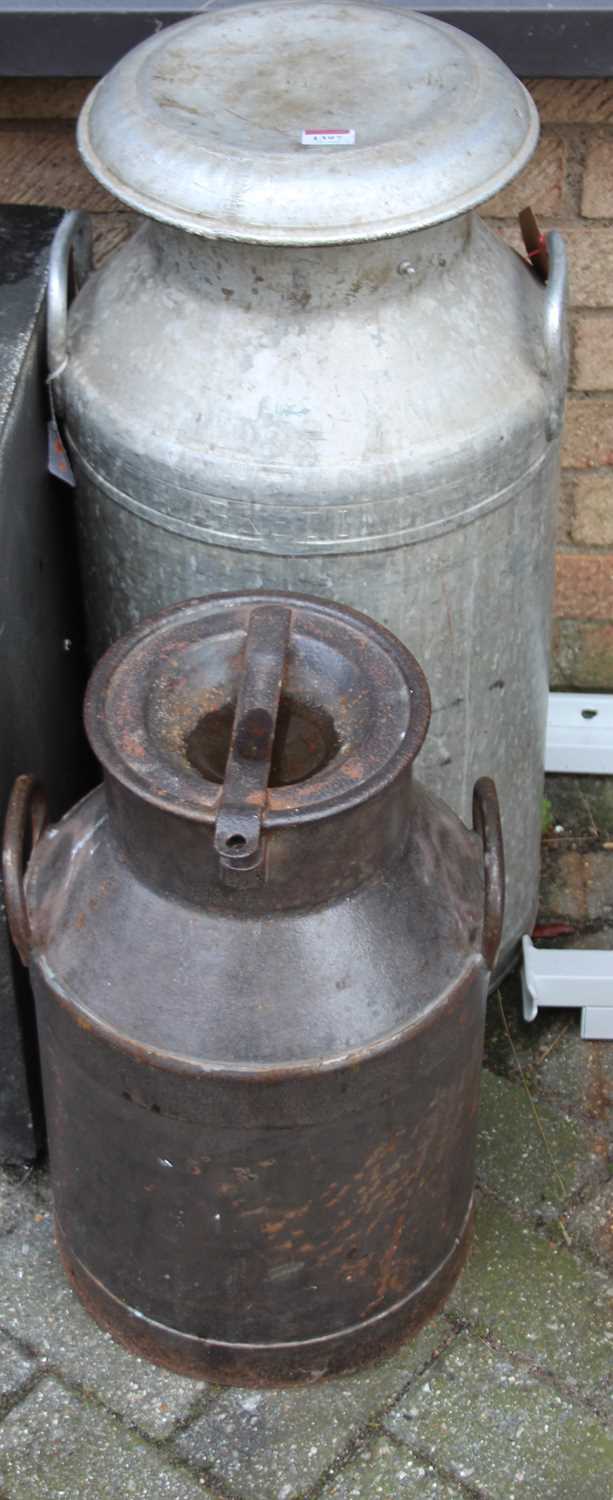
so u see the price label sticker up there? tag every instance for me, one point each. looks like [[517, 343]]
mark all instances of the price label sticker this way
[[328, 137], [58, 461]]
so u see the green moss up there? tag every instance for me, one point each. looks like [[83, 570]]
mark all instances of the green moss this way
[[546, 816]]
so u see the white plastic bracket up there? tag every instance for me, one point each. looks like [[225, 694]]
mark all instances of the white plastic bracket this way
[[580, 734], [570, 977], [580, 742]]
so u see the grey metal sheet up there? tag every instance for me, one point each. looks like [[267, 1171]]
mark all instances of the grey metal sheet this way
[[40, 681]]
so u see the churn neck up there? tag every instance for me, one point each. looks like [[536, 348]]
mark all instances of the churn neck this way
[[301, 281], [257, 749]]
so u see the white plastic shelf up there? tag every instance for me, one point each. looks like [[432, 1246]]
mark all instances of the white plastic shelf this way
[[574, 977], [579, 742]]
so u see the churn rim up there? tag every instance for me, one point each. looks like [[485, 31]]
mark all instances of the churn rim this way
[[116, 714], [215, 125]]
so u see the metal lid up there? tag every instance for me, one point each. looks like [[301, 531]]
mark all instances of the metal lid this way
[[213, 125], [257, 708]]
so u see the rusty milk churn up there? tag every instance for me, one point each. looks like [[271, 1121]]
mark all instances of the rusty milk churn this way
[[260, 955], [314, 367]]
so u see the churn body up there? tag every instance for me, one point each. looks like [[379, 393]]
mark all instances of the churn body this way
[[315, 367], [260, 956]]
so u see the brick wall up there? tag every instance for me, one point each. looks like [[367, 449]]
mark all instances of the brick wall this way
[[570, 186]]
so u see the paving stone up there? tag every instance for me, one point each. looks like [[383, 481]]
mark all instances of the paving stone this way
[[601, 939], [600, 886], [385, 1472], [591, 1225], [55, 1446], [16, 1369], [580, 1075], [528, 1038], [564, 878], [11, 1203], [38, 1306], [537, 1299], [273, 1445], [503, 1430], [511, 1157], [582, 805]]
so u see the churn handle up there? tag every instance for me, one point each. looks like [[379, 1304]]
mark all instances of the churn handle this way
[[486, 822], [72, 241], [555, 332], [27, 802]]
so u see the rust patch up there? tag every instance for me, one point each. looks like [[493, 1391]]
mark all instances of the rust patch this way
[[353, 769], [132, 746]]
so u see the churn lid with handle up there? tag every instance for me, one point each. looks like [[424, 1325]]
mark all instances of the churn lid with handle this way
[[307, 122]]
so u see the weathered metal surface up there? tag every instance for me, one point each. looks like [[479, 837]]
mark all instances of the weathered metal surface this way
[[372, 422], [254, 418], [42, 670], [262, 1095]]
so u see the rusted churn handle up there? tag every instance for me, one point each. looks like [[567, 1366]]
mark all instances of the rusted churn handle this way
[[27, 802], [486, 822]]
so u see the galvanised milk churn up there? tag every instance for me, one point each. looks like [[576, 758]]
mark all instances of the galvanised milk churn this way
[[315, 367], [260, 956]]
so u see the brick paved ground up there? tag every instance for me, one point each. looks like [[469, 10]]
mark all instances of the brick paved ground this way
[[504, 1396]]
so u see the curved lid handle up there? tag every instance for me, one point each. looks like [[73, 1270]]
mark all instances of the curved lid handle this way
[[238, 825]]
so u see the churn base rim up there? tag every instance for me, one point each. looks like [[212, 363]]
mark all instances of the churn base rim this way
[[263, 1365]]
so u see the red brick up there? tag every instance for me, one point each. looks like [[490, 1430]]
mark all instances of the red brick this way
[[573, 101], [590, 255], [566, 507], [592, 363], [589, 248], [582, 656], [591, 523], [43, 98], [584, 586], [587, 440], [597, 196], [41, 165], [542, 183], [110, 231]]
